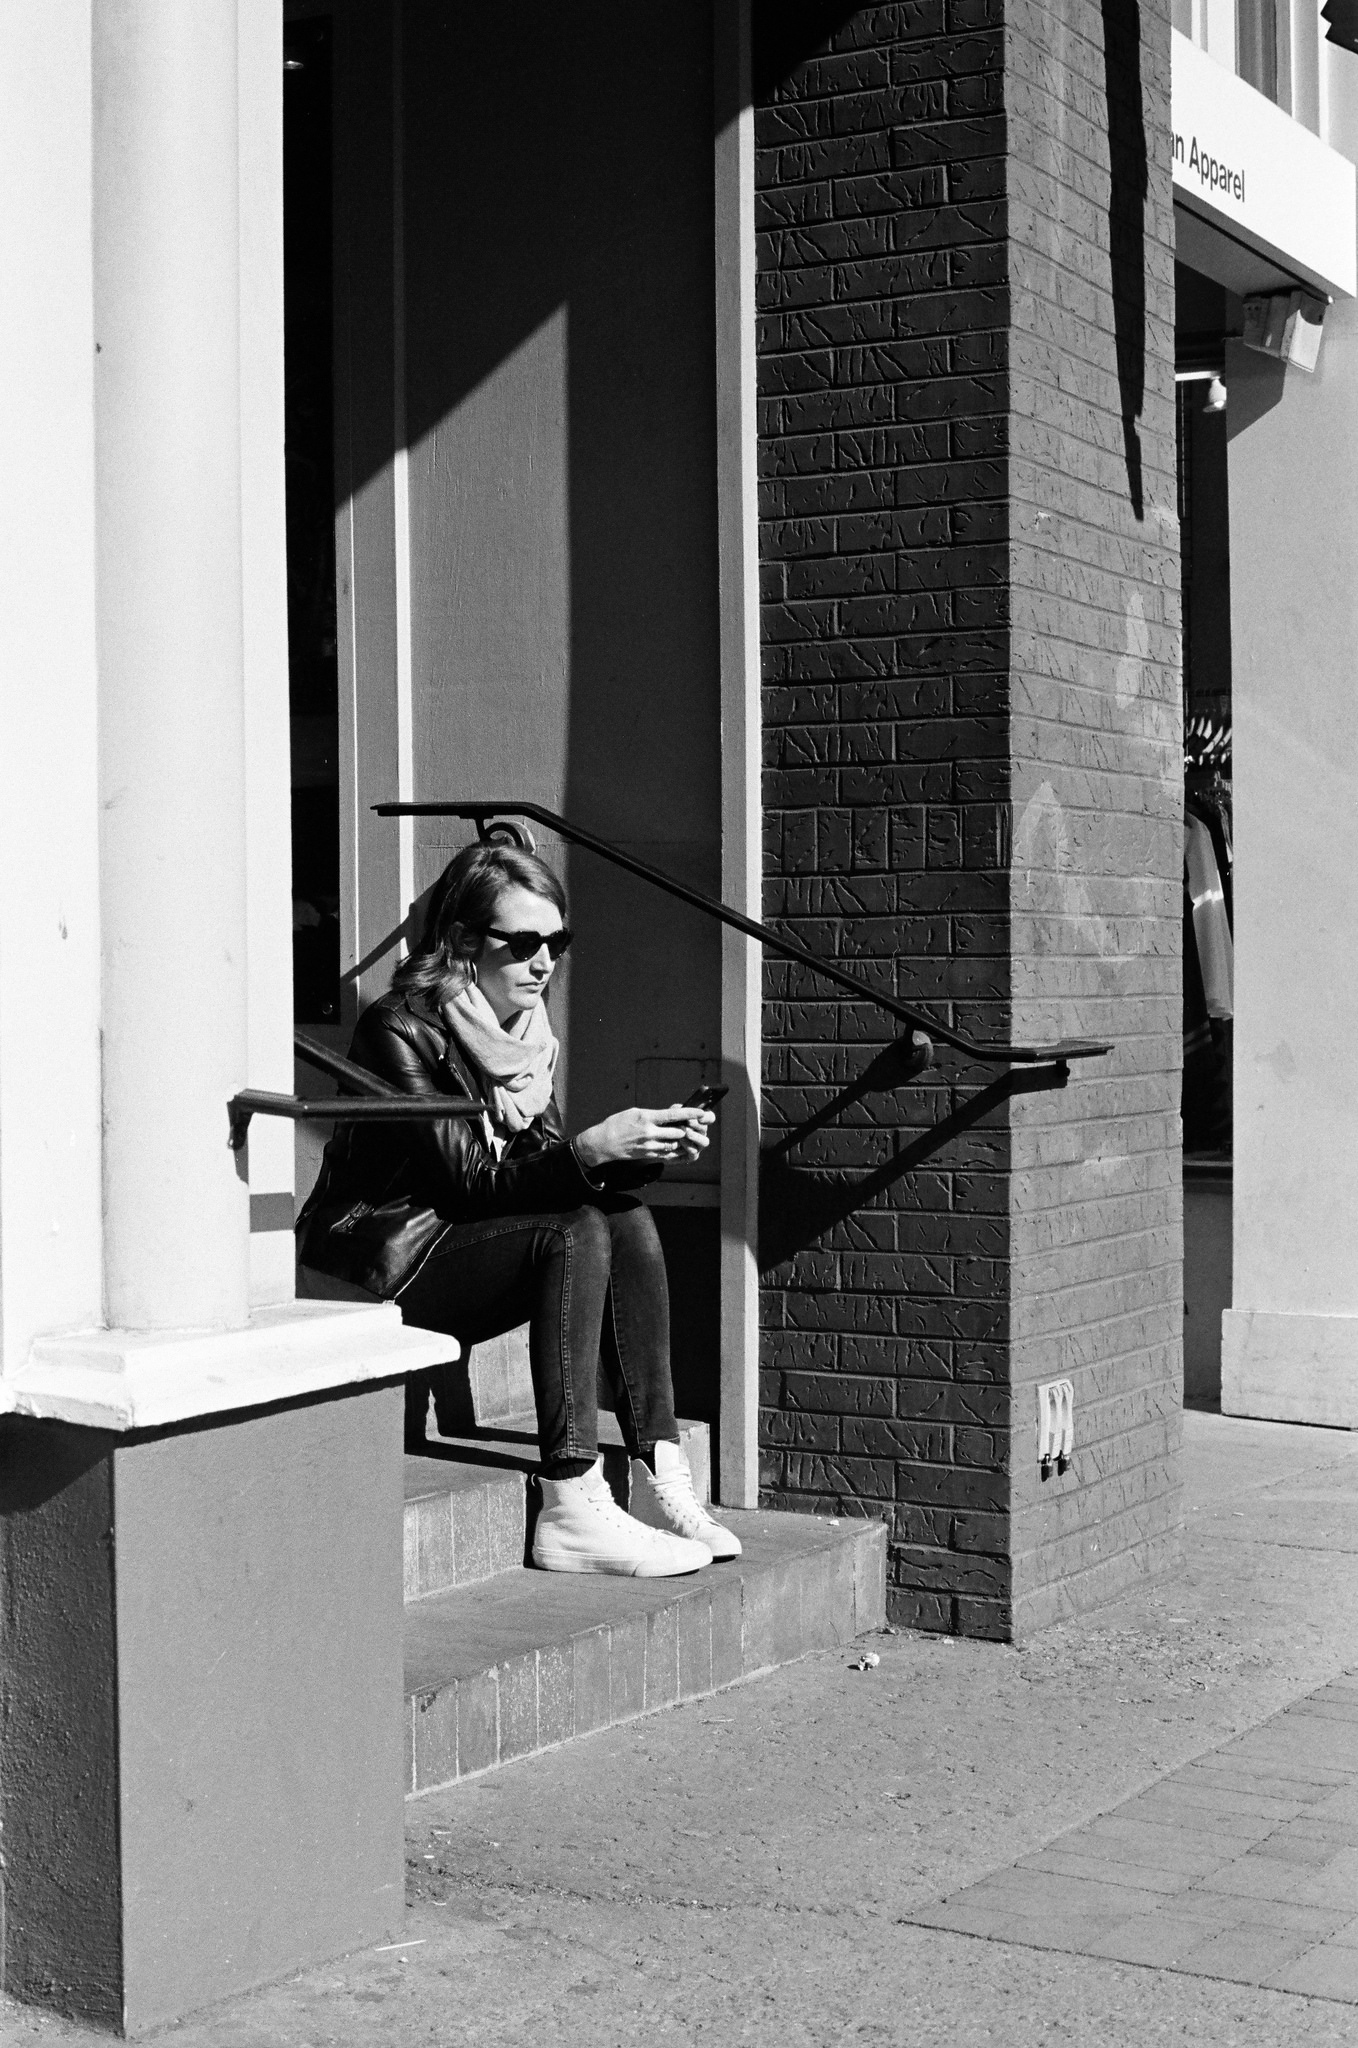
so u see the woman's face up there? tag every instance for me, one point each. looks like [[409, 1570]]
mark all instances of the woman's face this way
[[511, 985]]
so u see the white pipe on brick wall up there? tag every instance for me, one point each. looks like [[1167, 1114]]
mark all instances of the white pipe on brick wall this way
[[168, 494]]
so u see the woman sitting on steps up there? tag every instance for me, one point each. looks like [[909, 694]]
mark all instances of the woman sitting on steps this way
[[475, 1225]]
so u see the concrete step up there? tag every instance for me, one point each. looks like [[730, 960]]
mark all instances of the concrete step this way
[[466, 1500], [530, 1659]]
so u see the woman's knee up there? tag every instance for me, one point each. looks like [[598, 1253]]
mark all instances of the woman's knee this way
[[634, 1235], [586, 1233]]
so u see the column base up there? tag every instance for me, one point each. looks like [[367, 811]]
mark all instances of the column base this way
[[201, 1744], [146, 1379], [1290, 1368], [201, 1739]]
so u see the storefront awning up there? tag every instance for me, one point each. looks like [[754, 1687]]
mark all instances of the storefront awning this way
[[1260, 204]]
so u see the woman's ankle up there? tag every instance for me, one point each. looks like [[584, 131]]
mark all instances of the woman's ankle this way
[[567, 1468], [646, 1452]]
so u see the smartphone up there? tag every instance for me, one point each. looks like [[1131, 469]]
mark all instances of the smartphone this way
[[705, 1098]]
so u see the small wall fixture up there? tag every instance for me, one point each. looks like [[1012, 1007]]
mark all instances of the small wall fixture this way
[[1215, 400], [1055, 1425], [1341, 23], [1286, 325]]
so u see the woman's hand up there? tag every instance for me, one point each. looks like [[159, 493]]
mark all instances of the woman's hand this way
[[645, 1136]]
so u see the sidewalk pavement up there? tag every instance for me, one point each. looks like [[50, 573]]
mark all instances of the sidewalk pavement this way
[[1141, 1829]]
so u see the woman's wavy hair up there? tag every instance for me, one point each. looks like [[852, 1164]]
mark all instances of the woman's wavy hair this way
[[461, 905]]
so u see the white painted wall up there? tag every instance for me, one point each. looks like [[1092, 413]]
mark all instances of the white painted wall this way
[[50, 1232], [1290, 1340]]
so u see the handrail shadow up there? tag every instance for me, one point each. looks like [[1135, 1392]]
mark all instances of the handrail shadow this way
[[798, 1205]]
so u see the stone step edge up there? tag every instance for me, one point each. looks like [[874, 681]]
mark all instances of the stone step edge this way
[[464, 1535], [727, 1627]]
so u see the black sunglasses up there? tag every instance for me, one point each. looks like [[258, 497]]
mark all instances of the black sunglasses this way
[[523, 945]]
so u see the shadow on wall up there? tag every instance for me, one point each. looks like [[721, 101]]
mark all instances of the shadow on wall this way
[[1128, 186], [784, 34], [798, 1205], [556, 208], [560, 418]]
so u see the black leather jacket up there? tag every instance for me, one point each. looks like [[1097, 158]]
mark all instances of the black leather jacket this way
[[387, 1192]]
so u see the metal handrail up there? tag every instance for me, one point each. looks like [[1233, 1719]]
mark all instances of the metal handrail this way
[[378, 1102], [483, 814]]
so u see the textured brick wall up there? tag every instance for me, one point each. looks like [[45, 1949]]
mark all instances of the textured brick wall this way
[[970, 715], [1097, 790]]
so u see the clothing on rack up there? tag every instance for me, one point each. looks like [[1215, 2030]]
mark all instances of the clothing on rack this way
[[1208, 963], [1211, 926]]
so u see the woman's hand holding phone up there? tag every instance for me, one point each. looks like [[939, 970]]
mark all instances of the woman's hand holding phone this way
[[656, 1136]]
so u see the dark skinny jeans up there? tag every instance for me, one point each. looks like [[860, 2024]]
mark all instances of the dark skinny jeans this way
[[590, 1284]]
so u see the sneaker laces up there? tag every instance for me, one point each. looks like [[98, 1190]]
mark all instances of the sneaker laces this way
[[675, 1494], [601, 1500]]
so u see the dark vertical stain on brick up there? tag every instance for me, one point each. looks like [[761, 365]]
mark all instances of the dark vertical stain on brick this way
[[1128, 185]]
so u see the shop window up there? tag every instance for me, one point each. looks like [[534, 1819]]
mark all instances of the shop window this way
[[1256, 45]]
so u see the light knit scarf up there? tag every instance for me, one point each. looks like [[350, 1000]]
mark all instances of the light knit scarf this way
[[518, 1063]]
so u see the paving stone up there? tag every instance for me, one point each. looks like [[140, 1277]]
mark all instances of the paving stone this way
[[1165, 1804], [1158, 1845], [1318, 1708], [1215, 1801], [1242, 1866], [1340, 1806], [1232, 1909], [1263, 1877], [975, 1913], [1293, 1849], [1238, 1778], [1245, 1955], [1160, 1940], [1043, 1894], [1104, 1870], [1330, 1971]]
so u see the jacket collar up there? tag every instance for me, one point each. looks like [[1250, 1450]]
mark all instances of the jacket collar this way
[[419, 1005]]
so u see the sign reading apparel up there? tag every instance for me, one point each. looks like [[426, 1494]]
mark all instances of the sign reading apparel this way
[[1250, 169]]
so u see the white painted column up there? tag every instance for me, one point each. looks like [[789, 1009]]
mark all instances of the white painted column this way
[[50, 1225], [268, 782], [171, 703], [741, 816]]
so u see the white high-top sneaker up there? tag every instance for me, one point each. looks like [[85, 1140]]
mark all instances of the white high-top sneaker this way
[[581, 1528], [665, 1499]]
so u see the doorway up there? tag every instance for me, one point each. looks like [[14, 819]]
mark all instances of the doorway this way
[[1205, 314]]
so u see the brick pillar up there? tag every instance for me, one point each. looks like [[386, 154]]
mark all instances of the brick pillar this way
[[973, 783]]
